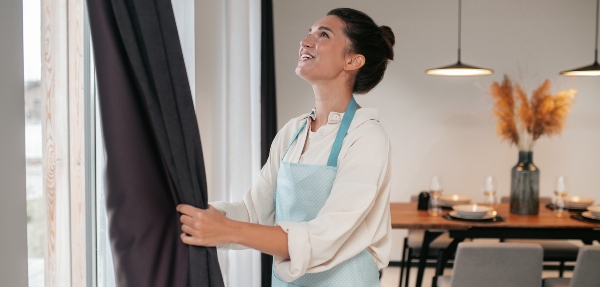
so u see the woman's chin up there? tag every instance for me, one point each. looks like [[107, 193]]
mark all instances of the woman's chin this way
[[301, 71]]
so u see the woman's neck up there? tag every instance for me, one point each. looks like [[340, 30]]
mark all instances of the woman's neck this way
[[329, 98]]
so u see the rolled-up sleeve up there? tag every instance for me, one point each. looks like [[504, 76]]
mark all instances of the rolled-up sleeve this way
[[348, 223]]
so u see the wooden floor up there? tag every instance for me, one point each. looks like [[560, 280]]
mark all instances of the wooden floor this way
[[391, 275]]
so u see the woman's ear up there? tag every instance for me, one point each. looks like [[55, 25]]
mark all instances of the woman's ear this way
[[354, 62]]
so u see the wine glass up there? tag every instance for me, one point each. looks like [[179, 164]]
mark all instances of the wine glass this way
[[435, 190], [489, 189], [560, 190]]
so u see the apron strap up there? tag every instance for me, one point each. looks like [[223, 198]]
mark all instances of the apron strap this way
[[295, 137], [339, 138], [341, 134]]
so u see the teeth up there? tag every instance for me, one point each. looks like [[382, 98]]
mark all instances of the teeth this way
[[306, 56]]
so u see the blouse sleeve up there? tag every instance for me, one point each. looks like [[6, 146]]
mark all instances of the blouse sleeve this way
[[340, 230]]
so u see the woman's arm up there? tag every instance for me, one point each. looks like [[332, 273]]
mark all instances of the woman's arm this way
[[211, 228]]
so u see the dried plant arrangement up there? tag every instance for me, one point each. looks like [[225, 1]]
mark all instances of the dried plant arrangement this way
[[522, 120]]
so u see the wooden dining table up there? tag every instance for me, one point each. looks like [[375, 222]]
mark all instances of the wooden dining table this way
[[545, 225]]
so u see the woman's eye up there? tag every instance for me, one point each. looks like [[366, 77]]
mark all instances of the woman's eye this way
[[324, 35]]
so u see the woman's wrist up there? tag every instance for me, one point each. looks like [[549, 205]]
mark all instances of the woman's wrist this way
[[233, 231], [267, 239]]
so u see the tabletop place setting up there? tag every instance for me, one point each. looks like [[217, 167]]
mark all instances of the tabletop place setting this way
[[592, 213], [462, 207]]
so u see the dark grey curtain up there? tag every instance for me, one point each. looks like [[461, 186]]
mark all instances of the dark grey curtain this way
[[153, 150], [268, 105]]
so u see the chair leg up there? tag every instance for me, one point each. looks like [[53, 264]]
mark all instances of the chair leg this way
[[561, 269], [403, 262], [408, 264], [439, 265]]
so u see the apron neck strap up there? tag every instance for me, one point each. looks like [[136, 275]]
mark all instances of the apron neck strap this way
[[294, 138], [339, 138], [341, 134]]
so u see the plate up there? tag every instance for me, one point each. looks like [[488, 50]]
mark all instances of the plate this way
[[587, 203], [485, 217], [594, 208], [570, 209], [589, 215], [576, 206]]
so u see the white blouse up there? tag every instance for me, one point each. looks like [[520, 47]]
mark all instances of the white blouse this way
[[357, 213]]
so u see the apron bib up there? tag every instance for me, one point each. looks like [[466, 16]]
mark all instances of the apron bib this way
[[300, 193]]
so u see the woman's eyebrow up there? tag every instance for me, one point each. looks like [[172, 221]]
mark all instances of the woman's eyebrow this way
[[322, 28]]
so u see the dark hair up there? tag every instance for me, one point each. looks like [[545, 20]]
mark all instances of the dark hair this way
[[375, 43]]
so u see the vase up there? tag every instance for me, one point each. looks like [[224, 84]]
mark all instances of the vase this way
[[525, 186]]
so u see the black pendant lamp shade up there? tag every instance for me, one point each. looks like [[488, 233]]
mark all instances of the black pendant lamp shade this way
[[593, 69], [459, 69]]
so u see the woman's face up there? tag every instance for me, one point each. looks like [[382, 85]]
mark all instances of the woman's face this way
[[323, 53]]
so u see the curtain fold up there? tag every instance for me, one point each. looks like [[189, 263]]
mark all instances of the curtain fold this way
[[268, 106], [154, 156]]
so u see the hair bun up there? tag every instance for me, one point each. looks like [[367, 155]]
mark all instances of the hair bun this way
[[389, 37]]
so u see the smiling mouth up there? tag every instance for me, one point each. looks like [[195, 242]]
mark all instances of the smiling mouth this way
[[305, 57]]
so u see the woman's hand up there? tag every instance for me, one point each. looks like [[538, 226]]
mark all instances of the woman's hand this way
[[208, 227], [204, 227]]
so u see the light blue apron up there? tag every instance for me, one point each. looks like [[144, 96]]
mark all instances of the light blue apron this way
[[301, 192]]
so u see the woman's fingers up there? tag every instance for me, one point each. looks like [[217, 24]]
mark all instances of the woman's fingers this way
[[185, 219], [202, 227], [187, 210], [190, 219], [188, 230], [190, 240]]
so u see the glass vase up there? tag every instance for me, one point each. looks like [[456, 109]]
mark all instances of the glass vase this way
[[524, 188]]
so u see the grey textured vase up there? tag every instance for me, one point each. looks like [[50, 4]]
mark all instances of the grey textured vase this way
[[525, 186]]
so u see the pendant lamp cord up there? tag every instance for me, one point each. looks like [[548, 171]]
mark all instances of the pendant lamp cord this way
[[597, 8], [459, 22]]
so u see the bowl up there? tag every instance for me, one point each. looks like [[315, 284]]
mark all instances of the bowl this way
[[452, 199], [595, 210], [471, 210], [578, 201]]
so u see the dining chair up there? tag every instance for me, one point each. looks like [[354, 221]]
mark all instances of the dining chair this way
[[412, 248], [585, 273], [560, 251], [495, 265]]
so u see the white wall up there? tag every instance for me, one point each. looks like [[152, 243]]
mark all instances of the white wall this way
[[442, 125], [13, 225]]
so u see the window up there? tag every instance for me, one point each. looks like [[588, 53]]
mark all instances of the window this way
[[67, 230], [67, 234], [36, 219]]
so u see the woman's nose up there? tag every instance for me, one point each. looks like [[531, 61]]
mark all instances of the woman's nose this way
[[306, 42]]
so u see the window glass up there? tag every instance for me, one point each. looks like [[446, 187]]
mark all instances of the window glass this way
[[36, 219], [105, 271]]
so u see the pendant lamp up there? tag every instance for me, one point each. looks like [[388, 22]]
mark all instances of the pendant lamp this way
[[593, 69], [459, 69]]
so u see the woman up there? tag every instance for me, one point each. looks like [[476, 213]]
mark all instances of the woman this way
[[321, 203]]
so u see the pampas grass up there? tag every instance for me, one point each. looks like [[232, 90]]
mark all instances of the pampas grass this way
[[522, 120], [504, 109]]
